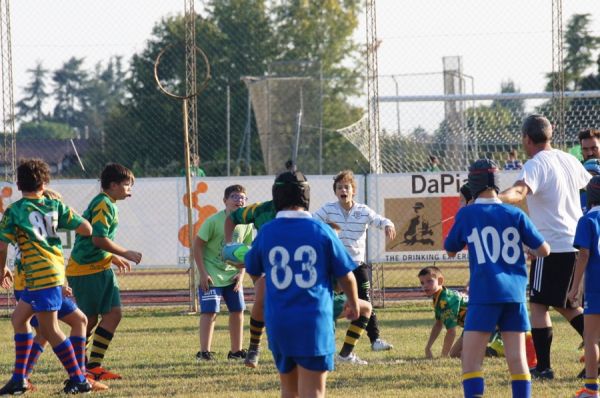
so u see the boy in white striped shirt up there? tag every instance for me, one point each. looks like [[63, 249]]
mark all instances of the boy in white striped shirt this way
[[354, 219]]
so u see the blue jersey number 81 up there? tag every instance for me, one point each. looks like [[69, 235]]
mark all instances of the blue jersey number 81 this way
[[279, 258], [489, 241]]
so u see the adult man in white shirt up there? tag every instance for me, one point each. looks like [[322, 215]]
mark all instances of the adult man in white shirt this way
[[550, 181]]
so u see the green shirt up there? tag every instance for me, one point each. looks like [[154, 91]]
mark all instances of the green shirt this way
[[32, 224], [213, 234], [258, 214], [86, 258], [450, 307]]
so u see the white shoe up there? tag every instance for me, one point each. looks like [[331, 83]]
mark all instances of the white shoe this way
[[381, 345], [351, 358]]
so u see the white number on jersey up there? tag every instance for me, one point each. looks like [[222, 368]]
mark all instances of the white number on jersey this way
[[44, 225], [489, 245], [279, 258]]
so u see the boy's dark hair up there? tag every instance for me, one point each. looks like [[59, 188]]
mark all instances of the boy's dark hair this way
[[345, 176], [593, 192], [291, 189], [431, 270], [589, 133], [32, 174], [115, 172], [234, 188], [537, 128]]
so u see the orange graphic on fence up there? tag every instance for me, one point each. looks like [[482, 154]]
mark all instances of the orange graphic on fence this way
[[203, 212], [5, 193]]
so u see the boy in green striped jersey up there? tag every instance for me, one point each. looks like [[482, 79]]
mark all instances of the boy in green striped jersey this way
[[89, 270], [32, 223]]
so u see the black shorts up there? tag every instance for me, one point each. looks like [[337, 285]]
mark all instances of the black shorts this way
[[550, 279]]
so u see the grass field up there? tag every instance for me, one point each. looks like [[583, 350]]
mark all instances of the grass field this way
[[154, 350]]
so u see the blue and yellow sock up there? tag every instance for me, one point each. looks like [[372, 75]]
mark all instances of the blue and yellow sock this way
[[23, 343], [473, 384], [66, 355], [521, 385], [34, 355], [79, 343], [591, 384]]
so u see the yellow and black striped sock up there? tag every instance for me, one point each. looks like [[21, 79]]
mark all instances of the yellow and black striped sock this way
[[256, 331], [102, 339], [355, 330]]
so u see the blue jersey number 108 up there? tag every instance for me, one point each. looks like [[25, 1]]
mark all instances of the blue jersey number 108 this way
[[490, 245]]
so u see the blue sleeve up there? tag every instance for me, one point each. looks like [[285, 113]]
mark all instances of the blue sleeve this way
[[454, 241], [529, 233], [583, 234], [253, 259], [341, 261]]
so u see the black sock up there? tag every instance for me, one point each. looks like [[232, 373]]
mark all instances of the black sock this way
[[542, 340], [577, 323]]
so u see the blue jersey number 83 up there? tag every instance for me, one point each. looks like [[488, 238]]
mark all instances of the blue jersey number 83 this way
[[281, 272]]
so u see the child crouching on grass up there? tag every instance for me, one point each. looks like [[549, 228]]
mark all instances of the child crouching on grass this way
[[495, 234], [299, 257], [588, 261]]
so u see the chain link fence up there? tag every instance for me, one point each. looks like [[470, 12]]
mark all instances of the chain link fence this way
[[287, 82]]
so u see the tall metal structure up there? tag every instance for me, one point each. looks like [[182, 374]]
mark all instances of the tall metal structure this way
[[372, 87], [190, 76], [9, 151], [558, 75]]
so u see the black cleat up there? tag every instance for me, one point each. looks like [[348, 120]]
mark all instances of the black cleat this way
[[240, 355], [205, 356], [14, 387], [546, 374], [77, 387]]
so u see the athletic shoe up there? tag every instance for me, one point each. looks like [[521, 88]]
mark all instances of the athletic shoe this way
[[205, 356], [251, 360], [546, 374], [381, 345], [76, 387], [352, 358], [14, 387], [99, 373], [585, 393], [96, 385], [237, 355]]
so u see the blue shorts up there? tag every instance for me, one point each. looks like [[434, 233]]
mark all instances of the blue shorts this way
[[591, 304], [210, 302], [509, 317], [44, 300], [68, 306], [321, 363]]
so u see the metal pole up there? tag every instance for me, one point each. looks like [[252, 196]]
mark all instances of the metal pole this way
[[397, 105], [228, 131], [188, 195]]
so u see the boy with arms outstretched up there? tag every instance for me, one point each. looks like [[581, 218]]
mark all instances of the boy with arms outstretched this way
[[218, 278], [31, 223], [495, 234], [299, 256], [89, 269], [587, 236], [354, 219]]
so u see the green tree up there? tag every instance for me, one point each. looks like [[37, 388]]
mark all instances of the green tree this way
[[580, 47], [31, 107], [45, 130], [69, 82]]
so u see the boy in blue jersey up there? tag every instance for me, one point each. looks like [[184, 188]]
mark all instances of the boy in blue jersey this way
[[495, 234], [299, 257], [587, 236], [32, 222]]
